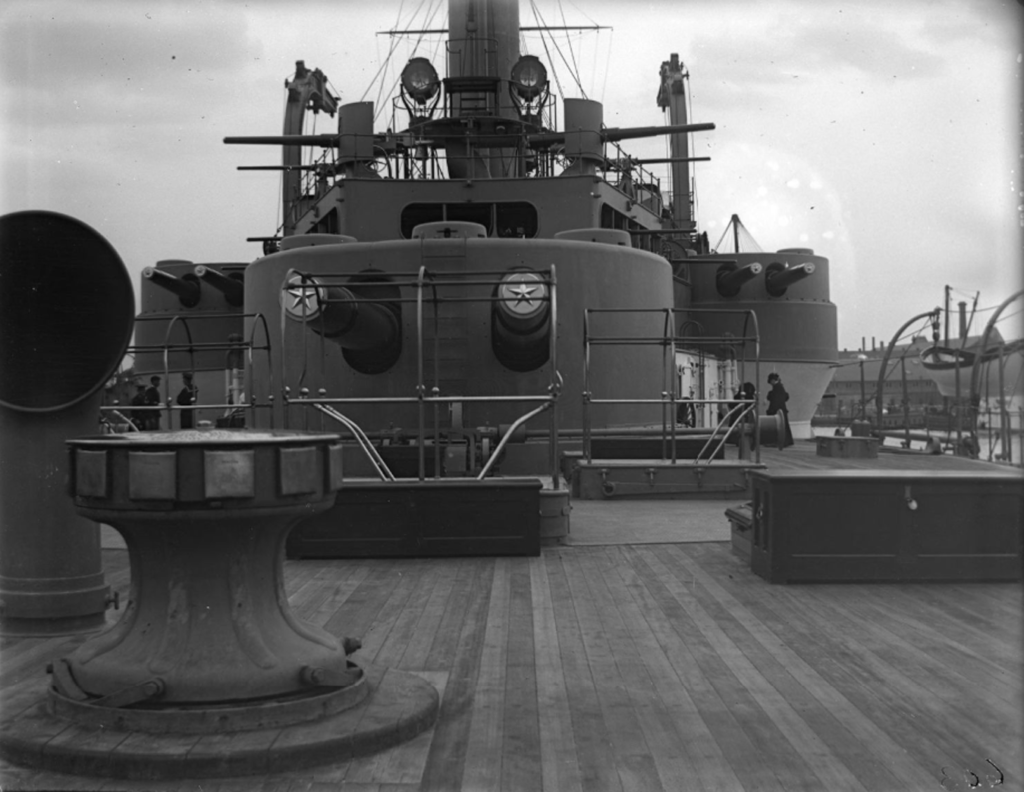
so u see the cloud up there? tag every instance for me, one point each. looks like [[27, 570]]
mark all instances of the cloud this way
[[74, 64]]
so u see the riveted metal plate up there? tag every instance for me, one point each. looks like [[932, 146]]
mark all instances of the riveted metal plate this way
[[152, 476], [297, 471], [334, 474], [229, 474], [91, 474]]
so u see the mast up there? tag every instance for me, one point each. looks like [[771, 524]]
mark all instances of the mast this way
[[672, 96], [483, 46]]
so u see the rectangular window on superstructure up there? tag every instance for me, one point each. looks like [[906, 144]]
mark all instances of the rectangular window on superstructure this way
[[510, 218], [414, 214], [482, 213], [516, 219]]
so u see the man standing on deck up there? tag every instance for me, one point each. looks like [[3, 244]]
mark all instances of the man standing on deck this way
[[187, 397], [153, 400], [777, 398], [140, 417]]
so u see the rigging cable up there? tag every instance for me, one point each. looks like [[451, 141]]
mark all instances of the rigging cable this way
[[693, 150], [568, 42], [387, 59], [544, 43], [558, 49]]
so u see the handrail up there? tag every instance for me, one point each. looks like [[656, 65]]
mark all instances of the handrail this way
[[745, 407], [203, 346], [364, 442], [670, 341], [508, 434], [422, 279]]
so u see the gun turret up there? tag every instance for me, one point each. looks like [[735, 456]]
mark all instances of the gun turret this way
[[730, 278], [778, 277], [231, 288], [520, 321], [186, 287]]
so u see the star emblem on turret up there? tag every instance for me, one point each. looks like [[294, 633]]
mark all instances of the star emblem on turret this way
[[523, 293], [301, 300]]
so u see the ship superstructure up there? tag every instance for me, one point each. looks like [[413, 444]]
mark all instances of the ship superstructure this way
[[495, 269]]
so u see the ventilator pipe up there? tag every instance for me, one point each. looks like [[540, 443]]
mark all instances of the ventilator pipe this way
[[68, 311], [231, 287], [186, 287]]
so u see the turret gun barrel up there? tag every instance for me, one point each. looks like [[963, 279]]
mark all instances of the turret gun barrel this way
[[354, 323], [521, 321], [327, 141], [629, 133], [728, 281], [187, 288], [778, 279], [231, 288], [620, 133]]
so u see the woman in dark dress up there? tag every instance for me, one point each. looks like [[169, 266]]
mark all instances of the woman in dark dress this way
[[777, 398]]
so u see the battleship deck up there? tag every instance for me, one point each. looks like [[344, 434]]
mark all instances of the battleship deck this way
[[651, 658]]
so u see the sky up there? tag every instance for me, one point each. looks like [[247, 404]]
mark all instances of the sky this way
[[885, 135]]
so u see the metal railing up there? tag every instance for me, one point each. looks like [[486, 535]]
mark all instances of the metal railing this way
[[245, 347], [429, 287], [669, 399]]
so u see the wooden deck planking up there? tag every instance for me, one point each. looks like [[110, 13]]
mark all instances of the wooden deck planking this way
[[358, 613], [520, 767], [699, 696], [592, 736], [854, 674], [471, 576], [651, 667], [727, 671], [447, 756], [869, 748], [913, 641], [918, 706], [934, 737], [388, 639], [977, 625], [417, 648], [643, 663], [821, 746], [698, 757], [559, 764], [384, 642], [609, 653], [484, 754]]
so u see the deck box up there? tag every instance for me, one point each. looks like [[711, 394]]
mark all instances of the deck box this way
[[848, 447], [887, 525]]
